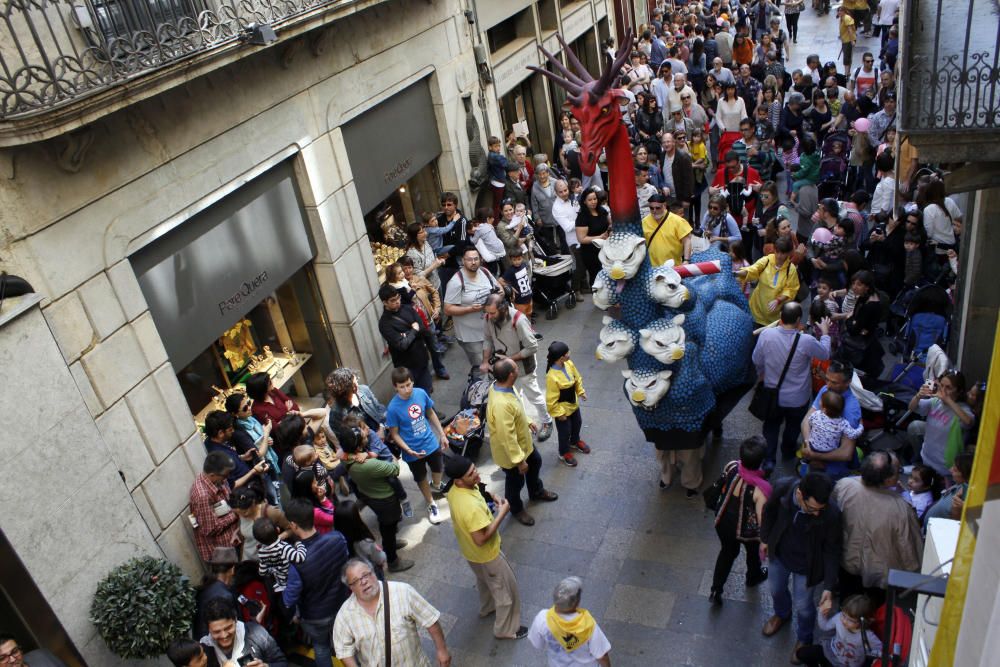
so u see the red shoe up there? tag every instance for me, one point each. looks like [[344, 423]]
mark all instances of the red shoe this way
[[568, 459], [581, 447]]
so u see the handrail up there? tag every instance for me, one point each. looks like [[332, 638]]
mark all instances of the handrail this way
[[54, 52], [949, 66]]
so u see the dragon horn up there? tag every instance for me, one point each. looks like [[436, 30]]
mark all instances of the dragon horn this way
[[569, 76], [575, 92], [574, 61], [609, 73]]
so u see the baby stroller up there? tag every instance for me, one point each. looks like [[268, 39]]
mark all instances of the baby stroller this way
[[552, 278], [926, 312], [833, 166], [466, 429]]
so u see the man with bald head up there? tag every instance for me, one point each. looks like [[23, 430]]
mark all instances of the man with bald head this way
[[510, 442]]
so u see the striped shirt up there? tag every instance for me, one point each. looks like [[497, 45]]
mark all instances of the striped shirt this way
[[358, 635], [274, 559]]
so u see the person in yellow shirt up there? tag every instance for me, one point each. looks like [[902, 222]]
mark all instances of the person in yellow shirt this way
[[563, 386], [477, 532], [668, 236], [777, 282], [848, 36], [510, 442]]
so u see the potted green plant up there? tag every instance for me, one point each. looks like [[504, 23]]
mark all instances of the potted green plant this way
[[141, 606]]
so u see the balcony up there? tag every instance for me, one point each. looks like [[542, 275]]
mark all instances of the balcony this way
[[64, 63], [949, 78]]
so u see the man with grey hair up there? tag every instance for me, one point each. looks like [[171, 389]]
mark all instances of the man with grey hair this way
[[359, 631], [568, 634], [724, 40]]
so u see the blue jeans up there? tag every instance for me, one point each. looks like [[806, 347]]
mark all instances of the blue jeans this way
[[801, 595], [320, 633]]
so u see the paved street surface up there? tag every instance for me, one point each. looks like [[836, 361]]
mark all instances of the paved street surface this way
[[645, 555]]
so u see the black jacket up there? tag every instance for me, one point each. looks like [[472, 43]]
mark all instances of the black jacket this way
[[683, 176], [825, 533], [257, 642], [406, 345]]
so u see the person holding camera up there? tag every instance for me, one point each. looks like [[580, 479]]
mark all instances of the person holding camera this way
[[232, 641], [464, 297], [508, 335], [219, 429]]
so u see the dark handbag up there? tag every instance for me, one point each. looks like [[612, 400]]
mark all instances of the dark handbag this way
[[852, 349], [714, 494], [764, 404]]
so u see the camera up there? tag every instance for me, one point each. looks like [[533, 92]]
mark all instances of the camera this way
[[494, 358]]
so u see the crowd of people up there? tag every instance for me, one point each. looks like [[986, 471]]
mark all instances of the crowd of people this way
[[791, 170]]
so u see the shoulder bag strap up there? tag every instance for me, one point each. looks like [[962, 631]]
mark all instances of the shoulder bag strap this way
[[653, 235], [788, 362], [388, 633]]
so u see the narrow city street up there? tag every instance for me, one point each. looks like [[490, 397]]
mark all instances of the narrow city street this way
[[645, 555]]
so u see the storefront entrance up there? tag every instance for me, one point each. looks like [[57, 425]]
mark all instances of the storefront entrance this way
[[232, 292]]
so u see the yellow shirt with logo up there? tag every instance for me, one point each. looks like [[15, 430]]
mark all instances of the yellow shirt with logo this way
[[510, 435], [667, 242], [470, 513]]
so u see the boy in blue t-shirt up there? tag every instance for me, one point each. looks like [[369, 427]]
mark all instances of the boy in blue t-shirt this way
[[415, 428]]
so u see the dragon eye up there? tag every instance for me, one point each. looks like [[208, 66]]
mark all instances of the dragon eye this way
[[606, 110], [651, 383]]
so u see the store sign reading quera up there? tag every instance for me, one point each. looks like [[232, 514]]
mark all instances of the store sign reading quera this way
[[200, 278], [389, 143], [393, 175], [247, 290]]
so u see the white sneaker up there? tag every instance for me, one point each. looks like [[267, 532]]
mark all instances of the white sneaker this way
[[434, 514]]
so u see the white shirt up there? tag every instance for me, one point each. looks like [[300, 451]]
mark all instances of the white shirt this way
[[938, 225], [564, 212], [814, 73], [885, 193], [359, 635], [886, 11], [585, 656], [674, 96]]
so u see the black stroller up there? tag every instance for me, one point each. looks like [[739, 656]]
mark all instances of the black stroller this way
[[833, 166], [552, 278], [466, 429]]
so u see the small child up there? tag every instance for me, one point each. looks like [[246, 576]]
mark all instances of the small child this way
[[376, 448], [274, 554], [913, 271], [569, 141], [827, 427], [789, 155], [921, 491], [491, 247], [518, 278], [436, 233], [845, 647], [563, 384], [808, 171], [739, 255], [825, 295], [575, 190], [699, 155]]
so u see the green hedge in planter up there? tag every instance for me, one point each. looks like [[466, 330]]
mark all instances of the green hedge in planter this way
[[141, 606]]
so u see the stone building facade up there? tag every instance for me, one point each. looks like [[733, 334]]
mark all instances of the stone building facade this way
[[99, 193]]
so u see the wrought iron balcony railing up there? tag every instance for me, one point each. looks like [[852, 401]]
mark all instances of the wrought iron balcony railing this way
[[53, 52], [950, 66]]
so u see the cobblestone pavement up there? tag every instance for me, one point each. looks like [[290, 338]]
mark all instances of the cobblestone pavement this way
[[645, 555]]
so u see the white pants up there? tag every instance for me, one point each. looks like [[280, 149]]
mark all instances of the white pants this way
[[532, 398]]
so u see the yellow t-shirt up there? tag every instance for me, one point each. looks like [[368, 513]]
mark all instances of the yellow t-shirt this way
[[667, 242], [469, 513], [697, 151], [847, 33], [510, 435]]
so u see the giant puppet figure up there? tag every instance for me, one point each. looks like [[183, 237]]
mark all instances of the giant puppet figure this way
[[685, 331]]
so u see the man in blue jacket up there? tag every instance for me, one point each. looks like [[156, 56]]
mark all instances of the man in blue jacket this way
[[314, 585]]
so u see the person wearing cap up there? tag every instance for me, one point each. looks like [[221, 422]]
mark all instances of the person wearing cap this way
[[478, 533], [879, 122], [510, 442], [668, 236], [679, 88], [216, 585], [568, 634], [677, 123]]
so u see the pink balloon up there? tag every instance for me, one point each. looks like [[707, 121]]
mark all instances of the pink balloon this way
[[862, 124], [822, 235]]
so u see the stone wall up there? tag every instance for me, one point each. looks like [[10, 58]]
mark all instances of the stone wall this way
[[103, 400]]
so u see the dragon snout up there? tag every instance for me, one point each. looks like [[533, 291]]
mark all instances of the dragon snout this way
[[617, 272]]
